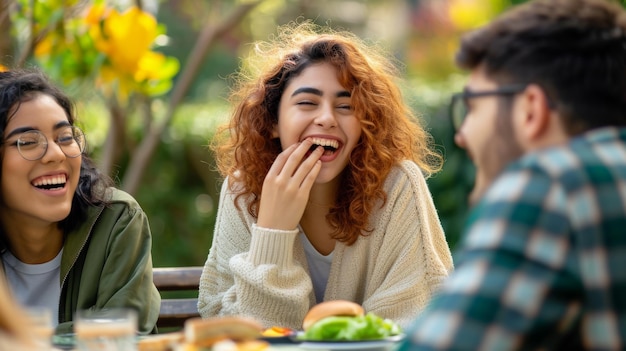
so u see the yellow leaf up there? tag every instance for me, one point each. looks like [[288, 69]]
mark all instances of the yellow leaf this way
[[149, 66], [156, 66], [44, 46], [94, 14], [125, 39], [468, 14], [107, 74]]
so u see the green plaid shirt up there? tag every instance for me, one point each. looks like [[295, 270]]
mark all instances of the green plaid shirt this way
[[543, 261]]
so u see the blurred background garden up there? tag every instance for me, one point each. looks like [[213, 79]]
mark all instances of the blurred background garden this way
[[151, 78]]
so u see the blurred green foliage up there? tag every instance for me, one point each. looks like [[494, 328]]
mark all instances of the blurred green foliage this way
[[180, 190], [451, 186]]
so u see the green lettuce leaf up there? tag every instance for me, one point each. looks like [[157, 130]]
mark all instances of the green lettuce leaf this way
[[342, 328]]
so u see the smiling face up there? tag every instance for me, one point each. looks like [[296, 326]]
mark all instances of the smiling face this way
[[315, 106], [41, 191]]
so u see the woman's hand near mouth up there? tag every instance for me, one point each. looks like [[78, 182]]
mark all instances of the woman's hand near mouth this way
[[287, 186]]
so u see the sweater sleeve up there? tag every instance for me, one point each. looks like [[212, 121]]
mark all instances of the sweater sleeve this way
[[127, 274], [117, 266], [414, 257], [251, 271]]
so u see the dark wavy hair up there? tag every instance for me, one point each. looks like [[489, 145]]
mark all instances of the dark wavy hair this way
[[18, 86], [575, 50], [245, 149]]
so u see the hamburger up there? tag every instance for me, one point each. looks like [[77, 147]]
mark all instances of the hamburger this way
[[331, 309], [341, 320]]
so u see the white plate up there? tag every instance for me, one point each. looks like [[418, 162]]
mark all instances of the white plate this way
[[384, 344]]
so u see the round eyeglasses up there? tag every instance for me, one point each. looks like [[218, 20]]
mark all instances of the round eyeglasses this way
[[459, 102], [33, 144]]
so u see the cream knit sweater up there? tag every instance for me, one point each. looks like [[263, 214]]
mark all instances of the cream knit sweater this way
[[262, 273]]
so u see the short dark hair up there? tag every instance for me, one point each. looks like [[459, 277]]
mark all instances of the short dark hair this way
[[21, 85], [575, 50]]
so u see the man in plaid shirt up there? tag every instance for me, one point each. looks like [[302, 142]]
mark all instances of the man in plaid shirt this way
[[542, 264]]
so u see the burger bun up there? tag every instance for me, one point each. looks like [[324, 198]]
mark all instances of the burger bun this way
[[330, 309]]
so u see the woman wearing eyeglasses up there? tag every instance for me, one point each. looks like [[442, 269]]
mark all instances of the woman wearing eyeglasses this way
[[68, 240]]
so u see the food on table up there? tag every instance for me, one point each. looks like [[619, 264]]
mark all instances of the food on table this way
[[329, 309], [215, 334], [246, 345], [277, 332], [161, 342], [206, 332], [341, 320]]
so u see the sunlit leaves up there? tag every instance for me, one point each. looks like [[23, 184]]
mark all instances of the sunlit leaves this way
[[468, 14], [98, 42], [126, 39], [66, 52]]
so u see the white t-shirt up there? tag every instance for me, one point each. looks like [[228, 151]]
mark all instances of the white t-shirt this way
[[35, 285], [319, 267]]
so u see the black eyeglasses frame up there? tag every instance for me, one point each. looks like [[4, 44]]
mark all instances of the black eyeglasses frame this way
[[460, 99]]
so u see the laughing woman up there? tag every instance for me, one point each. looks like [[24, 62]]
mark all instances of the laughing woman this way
[[325, 196], [68, 239]]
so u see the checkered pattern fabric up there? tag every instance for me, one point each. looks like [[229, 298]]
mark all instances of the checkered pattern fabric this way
[[542, 264]]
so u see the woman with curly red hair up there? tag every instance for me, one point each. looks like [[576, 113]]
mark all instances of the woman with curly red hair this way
[[325, 196]]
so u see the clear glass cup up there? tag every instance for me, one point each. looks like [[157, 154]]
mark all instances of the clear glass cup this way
[[40, 319], [106, 330]]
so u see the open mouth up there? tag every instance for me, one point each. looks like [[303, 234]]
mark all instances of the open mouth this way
[[50, 182], [330, 145]]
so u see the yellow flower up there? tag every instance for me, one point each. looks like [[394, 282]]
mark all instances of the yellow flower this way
[[468, 14], [155, 65], [126, 37], [112, 83], [94, 14], [45, 46]]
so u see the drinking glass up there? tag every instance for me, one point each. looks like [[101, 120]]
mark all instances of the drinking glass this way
[[106, 330], [40, 319]]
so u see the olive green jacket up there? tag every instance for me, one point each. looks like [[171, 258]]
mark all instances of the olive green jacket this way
[[107, 262]]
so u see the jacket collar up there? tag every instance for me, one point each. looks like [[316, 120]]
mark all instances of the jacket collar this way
[[76, 240]]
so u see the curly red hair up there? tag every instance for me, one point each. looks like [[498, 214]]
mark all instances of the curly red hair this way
[[245, 149]]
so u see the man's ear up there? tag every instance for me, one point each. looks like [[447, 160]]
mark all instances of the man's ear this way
[[536, 113]]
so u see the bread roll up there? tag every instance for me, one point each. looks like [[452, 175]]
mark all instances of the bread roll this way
[[206, 332], [160, 342], [329, 309]]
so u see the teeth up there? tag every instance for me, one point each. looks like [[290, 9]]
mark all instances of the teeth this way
[[325, 142], [58, 179]]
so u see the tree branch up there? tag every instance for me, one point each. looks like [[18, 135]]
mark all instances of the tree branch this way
[[113, 145], [209, 35], [6, 44]]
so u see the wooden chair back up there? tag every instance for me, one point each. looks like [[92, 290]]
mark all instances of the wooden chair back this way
[[175, 311]]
